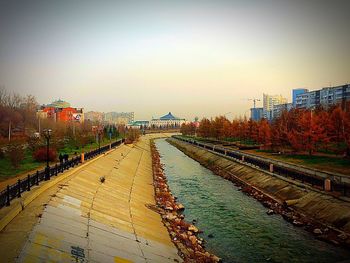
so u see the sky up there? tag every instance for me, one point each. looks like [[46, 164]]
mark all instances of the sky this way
[[193, 58]]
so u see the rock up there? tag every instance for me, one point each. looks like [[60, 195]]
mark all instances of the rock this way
[[335, 242], [183, 236], [169, 208], [180, 207], [215, 258], [193, 239], [297, 223], [170, 217], [193, 229], [270, 212], [207, 254], [317, 231], [343, 236]]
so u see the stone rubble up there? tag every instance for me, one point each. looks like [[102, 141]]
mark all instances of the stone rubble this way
[[182, 233]]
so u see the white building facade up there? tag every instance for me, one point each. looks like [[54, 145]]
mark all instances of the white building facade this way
[[167, 121]]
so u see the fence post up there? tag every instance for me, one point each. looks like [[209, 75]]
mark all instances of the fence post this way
[[344, 188], [327, 185], [242, 158], [19, 188], [28, 182], [8, 196], [82, 158], [37, 177], [271, 168], [47, 173]]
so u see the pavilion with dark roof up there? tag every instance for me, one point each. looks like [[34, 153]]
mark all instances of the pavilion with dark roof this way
[[167, 121]]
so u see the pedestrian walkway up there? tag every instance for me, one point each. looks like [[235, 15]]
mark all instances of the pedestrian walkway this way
[[87, 220]]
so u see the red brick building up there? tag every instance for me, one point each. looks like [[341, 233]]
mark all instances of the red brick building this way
[[61, 111]]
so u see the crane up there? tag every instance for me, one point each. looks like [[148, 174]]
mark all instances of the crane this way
[[254, 100]]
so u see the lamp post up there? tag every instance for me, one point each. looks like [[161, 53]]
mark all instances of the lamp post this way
[[47, 134], [99, 139]]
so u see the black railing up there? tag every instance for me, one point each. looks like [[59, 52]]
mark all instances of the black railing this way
[[25, 184], [339, 183]]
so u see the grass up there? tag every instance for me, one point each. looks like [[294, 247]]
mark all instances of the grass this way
[[315, 159], [29, 164], [320, 162]]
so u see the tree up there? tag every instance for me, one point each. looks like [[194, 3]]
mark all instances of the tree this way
[[264, 132], [337, 128], [15, 153], [204, 128]]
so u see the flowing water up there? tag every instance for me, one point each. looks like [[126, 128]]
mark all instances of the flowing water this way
[[240, 228]]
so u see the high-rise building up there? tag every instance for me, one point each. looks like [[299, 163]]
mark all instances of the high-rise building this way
[[256, 114], [279, 108], [326, 97], [269, 101], [297, 92]]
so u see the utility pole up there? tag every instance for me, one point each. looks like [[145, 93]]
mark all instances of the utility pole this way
[[10, 131]]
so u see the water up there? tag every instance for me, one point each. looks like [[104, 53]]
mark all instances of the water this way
[[242, 230]]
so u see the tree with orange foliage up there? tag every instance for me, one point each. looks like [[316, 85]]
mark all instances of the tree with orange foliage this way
[[204, 128], [337, 127], [264, 132]]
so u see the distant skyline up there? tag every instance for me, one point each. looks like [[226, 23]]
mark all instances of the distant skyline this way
[[193, 58]]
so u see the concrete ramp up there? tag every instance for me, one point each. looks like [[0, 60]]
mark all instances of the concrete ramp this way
[[91, 221]]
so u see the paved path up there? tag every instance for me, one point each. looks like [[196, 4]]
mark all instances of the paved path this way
[[90, 221]]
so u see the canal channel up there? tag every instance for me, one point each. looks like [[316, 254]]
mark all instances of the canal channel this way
[[235, 226]]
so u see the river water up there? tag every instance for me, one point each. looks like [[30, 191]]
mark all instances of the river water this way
[[241, 229]]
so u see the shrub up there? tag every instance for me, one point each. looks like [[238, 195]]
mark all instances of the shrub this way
[[33, 143], [15, 153], [40, 154], [132, 136]]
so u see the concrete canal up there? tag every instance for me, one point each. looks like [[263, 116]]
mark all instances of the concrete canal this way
[[236, 227]]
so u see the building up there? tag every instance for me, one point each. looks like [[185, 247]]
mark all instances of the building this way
[[138, 125], [167, 121], [325, 97], [94, 116], [269, 101], [256, 114], [297, 92], [61, 111], [279, 108], [120, 118]]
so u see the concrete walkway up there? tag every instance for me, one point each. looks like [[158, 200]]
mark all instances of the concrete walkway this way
[[89, 221]]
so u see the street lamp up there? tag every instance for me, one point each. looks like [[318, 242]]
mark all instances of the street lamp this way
[[99, 139], [47, 134]]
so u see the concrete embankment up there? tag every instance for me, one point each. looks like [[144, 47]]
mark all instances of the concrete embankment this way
[[99, 212], [324, 215]]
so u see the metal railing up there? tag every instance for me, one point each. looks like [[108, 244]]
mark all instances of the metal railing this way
[[339, 183], [25, 184]]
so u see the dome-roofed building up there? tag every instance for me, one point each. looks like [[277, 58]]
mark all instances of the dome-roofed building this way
[[167, 121], [59, 104], [61, 110]]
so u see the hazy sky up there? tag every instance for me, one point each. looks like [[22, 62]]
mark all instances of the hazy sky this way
[[193, 58]]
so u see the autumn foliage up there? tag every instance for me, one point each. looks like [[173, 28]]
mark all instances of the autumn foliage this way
[[40, 154], [297, 130]]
